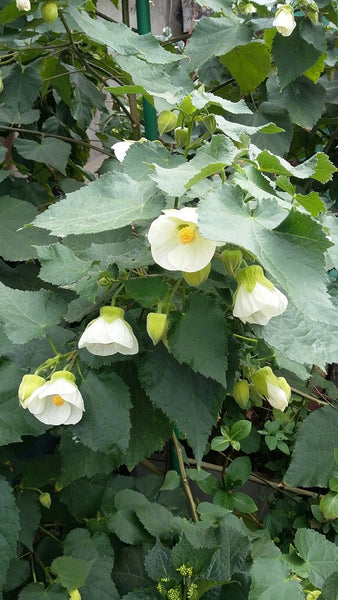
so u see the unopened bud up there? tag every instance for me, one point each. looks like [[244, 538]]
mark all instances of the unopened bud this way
[[197, 277], [49, 12], [45, 500], [241, 393], [28, 385], [74, 595], [1, 84], [210, 123], [312, 595], [157, 326], [166, 121], [232, 260], [313, 16], [181, 136]]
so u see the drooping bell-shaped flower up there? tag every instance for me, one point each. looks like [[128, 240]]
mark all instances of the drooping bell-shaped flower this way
[[256, 299], [284, 20], [275, 389], [176, 242], [109, 334], [23, 5], [58, 401]]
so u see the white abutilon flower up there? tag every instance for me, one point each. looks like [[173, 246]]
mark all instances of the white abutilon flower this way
[[275, 389], [284, 20], [176, 242], [58, 401], [23, 5], [109, 334], [256, 299], [121, 149]]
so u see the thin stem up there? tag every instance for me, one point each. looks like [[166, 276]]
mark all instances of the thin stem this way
[[58, 137], [308, 397], [33, 568], [149, 465], [48, 338], [49, 534], [246, 339], [185, 479]]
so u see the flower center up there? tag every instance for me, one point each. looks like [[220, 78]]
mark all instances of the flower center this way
[[57, 400], [186, 234]]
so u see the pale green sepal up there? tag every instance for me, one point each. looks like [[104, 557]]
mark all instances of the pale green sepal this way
[[261, 378], [249, 276], [232, 260], [110, 313], [28, 385], [197, 277], [64, 375], [157, 326], [74, 595], [283, 384], [166, 121], [45, 500], [241, 393], [286, 8]]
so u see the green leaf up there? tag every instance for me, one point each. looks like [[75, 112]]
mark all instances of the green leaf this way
[[150, 430], [240, 430], [111, 202], [9, 528], [105, 425], [312, 462], [200, 99], [243, 503], [129, 572], [248, 64], [214, 37], [194, 408], [272, 238], [129, 254], [49, 151], [18, 573], [330, 587], [158, 562], [147, 291], [72, 572], [240, 469], [84, 461], [22, 85], [320, 555], [202, 320], [233, 549], [304, 92], [27, 315], [17, 243], [59, 265], [36, 591], [83, 497], [270, 580], [304, 56], [329, 506], [171, 481], [98, 550], [312, 202], [30, 515]]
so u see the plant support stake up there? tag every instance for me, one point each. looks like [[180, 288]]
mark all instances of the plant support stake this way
[[144, 26]]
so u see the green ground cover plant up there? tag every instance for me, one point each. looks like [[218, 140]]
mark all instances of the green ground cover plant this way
[[168, 324]]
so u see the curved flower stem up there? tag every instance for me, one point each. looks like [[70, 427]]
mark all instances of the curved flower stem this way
[[246, 339], [49, 339], [185, 482]]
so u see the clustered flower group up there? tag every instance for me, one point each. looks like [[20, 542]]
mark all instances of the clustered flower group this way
[[176, 245]]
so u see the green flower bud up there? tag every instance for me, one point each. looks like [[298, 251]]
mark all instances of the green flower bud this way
[[49, 12], [313, 16], [181, 136], [198, 277], [241, 393], [312, 595], [28, 385], [63, 375], [166, 121], [45, 500], [157, 326], [232, 260], [210, 123], [74, 595]]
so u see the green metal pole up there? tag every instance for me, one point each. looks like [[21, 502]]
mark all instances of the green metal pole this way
[[144, 26]]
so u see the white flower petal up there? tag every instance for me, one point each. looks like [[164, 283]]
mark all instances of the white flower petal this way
[[276, 397], [105, 339], [192, 257], [54, 415], [41, 405], [120, 149], [284, 22], [260, 305]]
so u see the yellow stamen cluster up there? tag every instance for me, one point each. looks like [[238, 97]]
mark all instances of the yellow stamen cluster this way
[[57, 400], [187, 235]]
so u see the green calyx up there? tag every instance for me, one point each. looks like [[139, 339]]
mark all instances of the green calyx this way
[[249, 276], [241, 393], [286, 8], [166, 121], [197, 277], [110, 313], [260, 380], [232, 260], [283, 384], [28, 385], [157, 326], [63, 375]]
